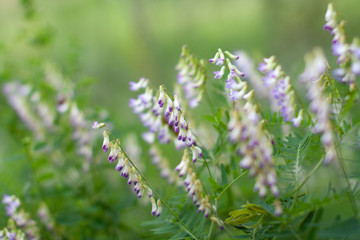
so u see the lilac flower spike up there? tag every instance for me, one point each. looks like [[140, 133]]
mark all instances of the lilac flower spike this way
[[12, 203], [192, 76], [195, 189], [236, 87], [347, 54], [281, 89], [312, 78]]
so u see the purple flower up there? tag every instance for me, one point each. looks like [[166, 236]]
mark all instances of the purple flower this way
[[220, 61], [135, 86], [12, 204], [218, 74]]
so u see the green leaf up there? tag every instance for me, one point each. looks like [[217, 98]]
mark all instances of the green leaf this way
[[214, 185], [210, 119], [224, 179]]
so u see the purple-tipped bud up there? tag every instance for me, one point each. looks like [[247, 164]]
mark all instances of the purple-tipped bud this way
[[96, 125], [176, 103]]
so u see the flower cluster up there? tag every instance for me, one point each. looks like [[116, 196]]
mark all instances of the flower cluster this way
[[254, 146], [21, 218], [348, 55], [281, 89], [45, 218], [81, 135], [247, 65], [127, 169], [247, 130], [316, 66], [195, 188], [176, 120], [12, 233], [191, 76], [34, 115], [163, 165], [237, 87], [145, 106], [63, 87], [150, 110]]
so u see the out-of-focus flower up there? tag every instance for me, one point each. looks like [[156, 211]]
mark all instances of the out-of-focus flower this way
[[21, 218], [312, 78], [191, 76], [281, 89], [347, 54]]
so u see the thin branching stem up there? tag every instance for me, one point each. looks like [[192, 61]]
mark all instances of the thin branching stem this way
[[229, 185]]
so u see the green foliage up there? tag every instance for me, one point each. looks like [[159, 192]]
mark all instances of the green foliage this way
[[61, 165]]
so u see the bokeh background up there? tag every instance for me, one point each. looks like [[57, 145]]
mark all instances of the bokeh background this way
[[116, 42], [107, 43]]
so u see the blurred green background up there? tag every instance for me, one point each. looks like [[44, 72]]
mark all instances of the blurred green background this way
[[116, 42], [108, 43]]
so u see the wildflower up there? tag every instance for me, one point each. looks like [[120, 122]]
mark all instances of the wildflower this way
[[194, 186], [142, 83], [106, 141], [127, 170], [17, 95], [297, 121], [114, 151], [20, 217], [219, 74], [281, 89], [218, 222], [319, 105], [191, 76], [12, 203], [159, 208], [346, 53], [153, 204]]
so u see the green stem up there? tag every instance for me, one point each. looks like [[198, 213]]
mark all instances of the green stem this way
[[344, 172], [208, 101], [219, 196], [37, 182], [211, 226], [229, 185], [309, 175]]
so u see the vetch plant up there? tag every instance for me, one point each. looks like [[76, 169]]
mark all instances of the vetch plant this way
[[231, 149]]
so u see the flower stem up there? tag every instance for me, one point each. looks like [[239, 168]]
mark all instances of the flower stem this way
[[229, 185]]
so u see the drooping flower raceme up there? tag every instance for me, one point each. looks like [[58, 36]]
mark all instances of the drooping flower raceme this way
[[126, 168], [191, 76], [348, 55], [146, 107], [316, 66], [163, 115], [281, 90], [195, 188]]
